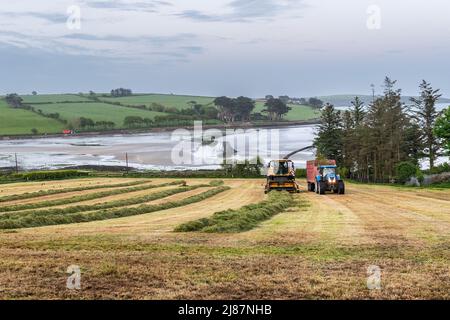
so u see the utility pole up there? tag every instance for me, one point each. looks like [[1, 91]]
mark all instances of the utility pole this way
[[17, 164], [126, 159], [373, 92]]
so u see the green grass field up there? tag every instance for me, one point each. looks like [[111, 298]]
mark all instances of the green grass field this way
[[52, 98], [73, 106], [182, 102], [19, 121], [175, 101], [296, 113], [95, 111]]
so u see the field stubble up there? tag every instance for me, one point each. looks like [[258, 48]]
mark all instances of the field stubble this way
[[320, 248]]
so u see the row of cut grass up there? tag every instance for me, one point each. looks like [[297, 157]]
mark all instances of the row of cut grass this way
[[41, 193], [243, 219], [33, 220], [101, 206], [86, 197]]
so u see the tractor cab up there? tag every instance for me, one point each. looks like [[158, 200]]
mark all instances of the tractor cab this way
[[328, 172], [281, 168]]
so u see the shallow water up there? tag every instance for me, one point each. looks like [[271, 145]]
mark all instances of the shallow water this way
[[154, 150], [157, 150]]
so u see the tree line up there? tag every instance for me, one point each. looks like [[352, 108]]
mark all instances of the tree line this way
[[121, 92], [312, 102], [374, 143], [240, 109]]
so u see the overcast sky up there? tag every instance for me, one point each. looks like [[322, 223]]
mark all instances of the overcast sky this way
[[224, 47]]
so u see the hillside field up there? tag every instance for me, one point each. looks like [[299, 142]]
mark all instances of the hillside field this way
[[53, 98], [96, 111], [315, 247], [173, 101], [71, 107], [182, 102], [297, 112], [19, 121]]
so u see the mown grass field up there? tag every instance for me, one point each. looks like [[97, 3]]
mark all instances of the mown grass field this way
[[19, 121], [95, 111], [315, 247]]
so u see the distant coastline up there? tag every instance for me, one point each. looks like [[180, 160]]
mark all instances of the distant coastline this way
[[245, 125]]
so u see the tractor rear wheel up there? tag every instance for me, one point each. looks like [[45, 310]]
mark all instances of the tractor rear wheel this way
[[341, 187], [322, 187]]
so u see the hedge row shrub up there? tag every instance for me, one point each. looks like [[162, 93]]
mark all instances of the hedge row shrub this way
[[50, 175]]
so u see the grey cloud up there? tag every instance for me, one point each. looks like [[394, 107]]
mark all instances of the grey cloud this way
[[199, 16], [192, 49], [156, 40], [50, 17], [245, 11], [148, 6]]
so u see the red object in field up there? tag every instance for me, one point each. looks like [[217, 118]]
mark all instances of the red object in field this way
[[312, 168], [67, 131]]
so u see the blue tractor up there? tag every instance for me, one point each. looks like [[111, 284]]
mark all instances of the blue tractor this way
[[322, 177], [328, 180]]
